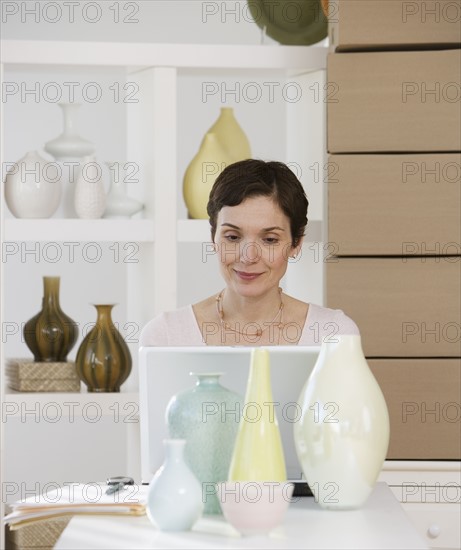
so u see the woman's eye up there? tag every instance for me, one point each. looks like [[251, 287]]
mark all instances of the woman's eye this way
[[231, 238], [271, 240]]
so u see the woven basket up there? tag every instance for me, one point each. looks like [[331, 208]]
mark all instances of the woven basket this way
[[42, 535], [25, 375]]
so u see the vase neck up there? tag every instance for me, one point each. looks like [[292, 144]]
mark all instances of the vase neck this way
[[207, 379], [51, 291], [259, 381], [68, 112], [104, 313], [174, 449]]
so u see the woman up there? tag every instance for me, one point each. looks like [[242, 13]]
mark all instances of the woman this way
[[258, 214]]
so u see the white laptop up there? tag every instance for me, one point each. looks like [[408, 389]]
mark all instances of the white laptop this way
[[164, 371]]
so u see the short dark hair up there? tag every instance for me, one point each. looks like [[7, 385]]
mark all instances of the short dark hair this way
[[252, 178]]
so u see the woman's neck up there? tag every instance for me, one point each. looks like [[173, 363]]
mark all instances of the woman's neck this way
[[250, 309]]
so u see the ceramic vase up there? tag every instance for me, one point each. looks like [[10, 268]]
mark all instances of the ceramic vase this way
[[342, 436], [174, 499], [118, 204], [258, 452], [103, 359], [90, 197], [231, 136], [207, 417], [33, 187], [51, 334], [69, 145], [201, 174]]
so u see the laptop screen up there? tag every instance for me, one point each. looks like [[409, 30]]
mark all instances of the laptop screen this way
[[165, 371]]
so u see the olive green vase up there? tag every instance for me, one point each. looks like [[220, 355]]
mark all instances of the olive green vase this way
[[103, 358], [51, 334]]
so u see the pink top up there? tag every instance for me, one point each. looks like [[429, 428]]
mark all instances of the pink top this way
[[180, 327]]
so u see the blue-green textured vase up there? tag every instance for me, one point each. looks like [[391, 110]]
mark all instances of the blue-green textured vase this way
[[207, 416]]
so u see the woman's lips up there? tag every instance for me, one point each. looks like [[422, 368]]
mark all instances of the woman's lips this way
[[247, 276]]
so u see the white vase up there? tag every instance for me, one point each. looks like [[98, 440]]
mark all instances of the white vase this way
[[174, 500], [201, 174], [90, 197], [118, 204], [69, 145], [342, 436], [231, 136], [33, 187]]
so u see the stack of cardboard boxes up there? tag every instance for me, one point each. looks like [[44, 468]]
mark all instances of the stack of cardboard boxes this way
[[394, 195]]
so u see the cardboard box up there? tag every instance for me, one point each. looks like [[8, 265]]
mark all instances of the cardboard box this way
[[423, 399], [395, 204], [404, 307], [393, 24], [394, 102]]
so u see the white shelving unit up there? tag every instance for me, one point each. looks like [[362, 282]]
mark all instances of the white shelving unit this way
[[157, 136]]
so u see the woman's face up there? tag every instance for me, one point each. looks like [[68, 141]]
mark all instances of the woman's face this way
[[253, 241]]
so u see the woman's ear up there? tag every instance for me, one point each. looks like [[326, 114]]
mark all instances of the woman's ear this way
[[295, 250]]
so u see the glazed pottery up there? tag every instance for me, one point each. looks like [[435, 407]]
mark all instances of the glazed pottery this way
[[231, 136], [342, 436], [201, 174], [90, 197], [69, 145], [33, 187], [254, 507], [51, 334], [258, 453], [174, 499], [118, 204], [207, 417], [103, 359]]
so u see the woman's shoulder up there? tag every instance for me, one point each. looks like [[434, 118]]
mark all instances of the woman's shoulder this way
[[170, 328], [323, 323]]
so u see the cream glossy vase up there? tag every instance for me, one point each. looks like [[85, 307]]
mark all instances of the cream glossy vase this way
[[201, 174], [231, 136], [258, 452], [342, 436], [33, 187]]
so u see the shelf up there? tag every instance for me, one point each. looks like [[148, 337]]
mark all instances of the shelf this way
[[196, 56], [76, 230], [24, 405]]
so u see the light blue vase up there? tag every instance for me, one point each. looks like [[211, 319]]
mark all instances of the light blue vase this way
[[174, 500], [207, 416]]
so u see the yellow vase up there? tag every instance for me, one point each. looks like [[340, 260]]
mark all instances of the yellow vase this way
[[258, 452], [201, 174], [231, 136]]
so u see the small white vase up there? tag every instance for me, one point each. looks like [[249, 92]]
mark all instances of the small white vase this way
[[342, 436], [174, 500], [69, 145], [90, 197], [33, 187], [118, 204]]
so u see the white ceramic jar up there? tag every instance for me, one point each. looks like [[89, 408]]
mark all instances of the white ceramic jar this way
[[90, 196], [33, 187]]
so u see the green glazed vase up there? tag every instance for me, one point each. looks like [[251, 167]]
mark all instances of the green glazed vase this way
[[51, 334], [103, 359], [207, 416]]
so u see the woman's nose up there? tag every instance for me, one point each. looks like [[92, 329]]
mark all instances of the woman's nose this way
[[249, 252]]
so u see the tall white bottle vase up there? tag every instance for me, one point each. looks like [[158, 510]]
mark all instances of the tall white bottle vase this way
[[69, 145], [33, 187], [90, 197], [118, 204]]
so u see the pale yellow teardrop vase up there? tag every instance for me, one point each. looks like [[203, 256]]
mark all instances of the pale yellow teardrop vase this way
[[258, 452], [201, 174], [231, 136]]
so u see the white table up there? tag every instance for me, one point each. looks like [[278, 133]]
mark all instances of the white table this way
[[381, 524]]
